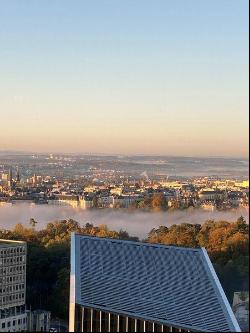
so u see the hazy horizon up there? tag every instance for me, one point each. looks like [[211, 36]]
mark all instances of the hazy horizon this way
[[48, 152], [129, 77]]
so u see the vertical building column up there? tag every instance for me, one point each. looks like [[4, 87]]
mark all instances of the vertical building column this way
[[91, 320], [100, 321], [126, 324], [144, 326], [118, 323], [153, 328], [135, 325], [162, 328], [82, 321], [109, 323]]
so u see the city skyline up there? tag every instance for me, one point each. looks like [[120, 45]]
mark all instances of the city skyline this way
[[144, 77]]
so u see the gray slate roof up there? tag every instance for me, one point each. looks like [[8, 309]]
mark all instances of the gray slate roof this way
[[166, 284]]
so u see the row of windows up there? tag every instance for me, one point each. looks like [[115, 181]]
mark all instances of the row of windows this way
[[12, 288], [12, 251], [12, 311], [13, 323], [12, 261], [11, 298], [10, 279]]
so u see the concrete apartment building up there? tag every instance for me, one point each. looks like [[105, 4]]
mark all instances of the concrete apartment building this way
[[12, 286], [124, 286]]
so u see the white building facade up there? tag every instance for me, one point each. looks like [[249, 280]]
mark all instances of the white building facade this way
[[12, 286]]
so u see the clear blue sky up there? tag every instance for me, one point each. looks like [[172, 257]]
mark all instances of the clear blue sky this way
[[122, 76]]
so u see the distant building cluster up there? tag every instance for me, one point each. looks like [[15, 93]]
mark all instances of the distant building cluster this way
[[207, 193]]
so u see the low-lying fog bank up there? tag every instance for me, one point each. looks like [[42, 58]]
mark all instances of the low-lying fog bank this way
[[136, 223]]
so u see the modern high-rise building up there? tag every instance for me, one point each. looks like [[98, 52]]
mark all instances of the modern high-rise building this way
[[123, 286], [12, 286]]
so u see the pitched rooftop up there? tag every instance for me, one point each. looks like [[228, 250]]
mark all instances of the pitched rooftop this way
[[171, 285]]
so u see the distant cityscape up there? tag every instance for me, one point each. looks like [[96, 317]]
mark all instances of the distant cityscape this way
[[85, 182], [126, 183]]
